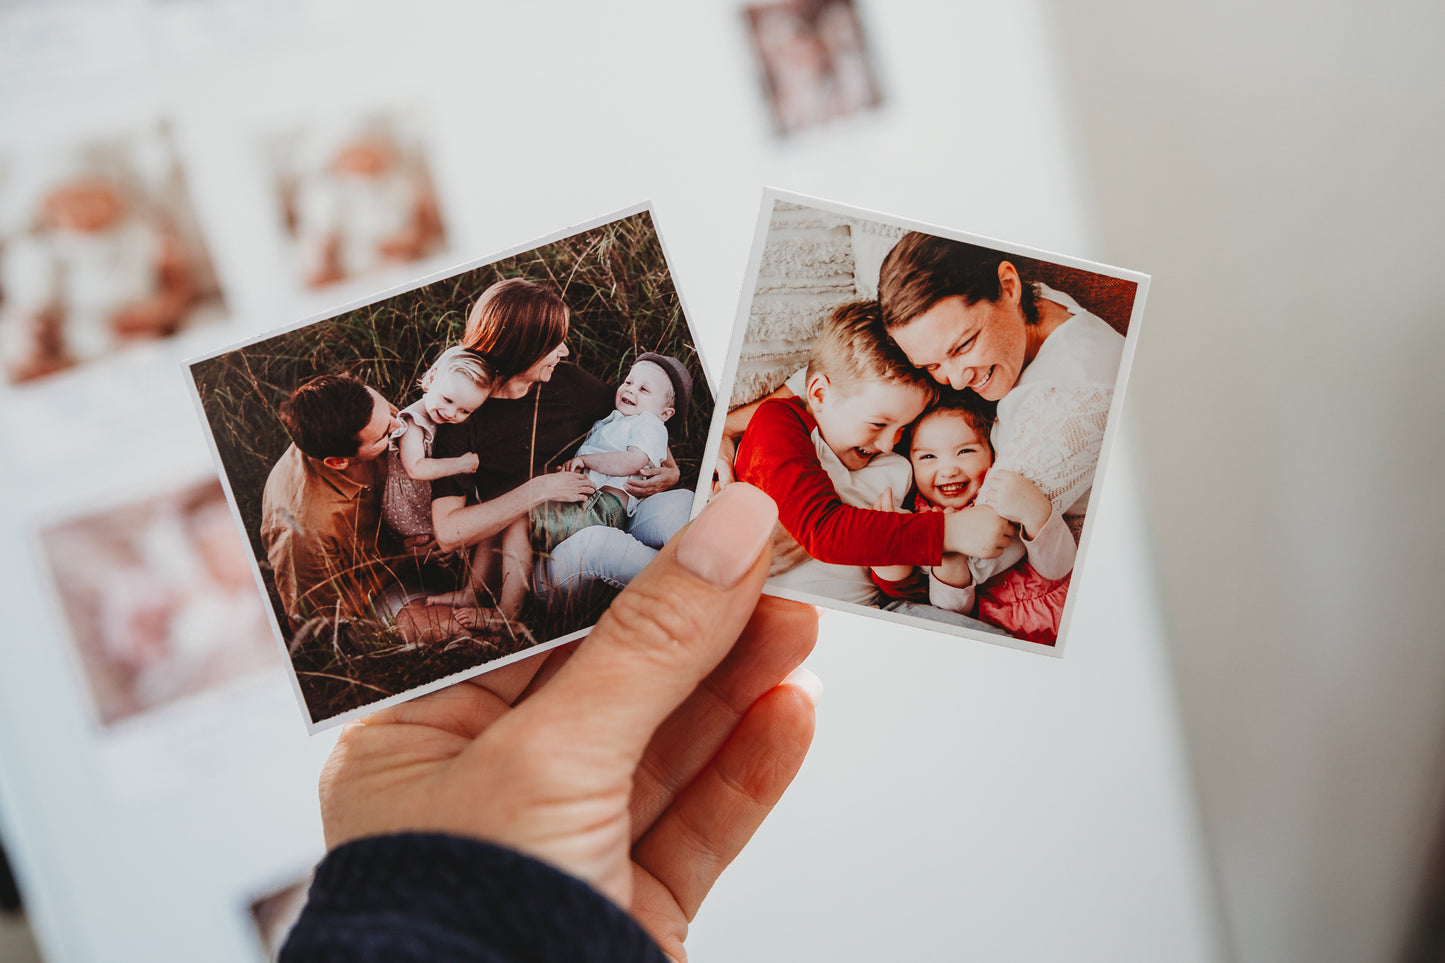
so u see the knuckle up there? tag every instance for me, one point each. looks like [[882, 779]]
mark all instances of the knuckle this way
[[657, 622]]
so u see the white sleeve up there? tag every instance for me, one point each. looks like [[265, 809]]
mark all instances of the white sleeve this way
[[950, 597], [1051, 552], [984, 569], [649, 436], [1053, 438]]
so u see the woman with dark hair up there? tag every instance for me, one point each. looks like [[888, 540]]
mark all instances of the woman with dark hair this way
[[965, 315], [540, 409]]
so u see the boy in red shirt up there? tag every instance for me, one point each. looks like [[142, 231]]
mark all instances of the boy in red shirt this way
[[826, 457]]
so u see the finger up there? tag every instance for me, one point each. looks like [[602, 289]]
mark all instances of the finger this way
[[554, 661], [714, 817], [660, 637], [776, 641], [469, 707], [463, 710]]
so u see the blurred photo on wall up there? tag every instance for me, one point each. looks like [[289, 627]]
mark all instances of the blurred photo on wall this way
[[158, 599], [276, 912], [813, 60], [100, 251], [354, 195]]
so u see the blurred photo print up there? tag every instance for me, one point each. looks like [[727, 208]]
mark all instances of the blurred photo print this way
[[355, 195], [814, 64], [159, 599], [99, 251], [930, 410], [275, 913], [445, 479]]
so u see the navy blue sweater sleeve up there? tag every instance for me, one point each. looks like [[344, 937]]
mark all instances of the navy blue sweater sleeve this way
[[423, 896]]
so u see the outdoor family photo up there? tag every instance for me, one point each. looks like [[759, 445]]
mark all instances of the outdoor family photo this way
[[929, 413], [453, 475]]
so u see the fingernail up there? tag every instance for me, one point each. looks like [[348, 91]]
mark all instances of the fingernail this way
[[722, 543], [804, 679]]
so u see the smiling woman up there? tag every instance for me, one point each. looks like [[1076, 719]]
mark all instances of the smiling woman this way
[[963, 314]]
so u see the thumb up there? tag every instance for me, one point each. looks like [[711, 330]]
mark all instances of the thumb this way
[[664, 633]]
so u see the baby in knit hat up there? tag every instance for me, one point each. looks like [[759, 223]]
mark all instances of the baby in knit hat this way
[[631, 438]]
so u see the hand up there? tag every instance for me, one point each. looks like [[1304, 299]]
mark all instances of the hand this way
[[561, 486], [577, 464], [470, 462], [642, 763], [653, 480], [722, 469], [977, 531], [1017, 499], [420, 546], [953, 570]]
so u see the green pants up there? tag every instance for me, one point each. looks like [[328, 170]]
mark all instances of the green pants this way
[[554, 522]]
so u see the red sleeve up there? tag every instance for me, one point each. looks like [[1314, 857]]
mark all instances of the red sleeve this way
[[776, 454], [914, 588]]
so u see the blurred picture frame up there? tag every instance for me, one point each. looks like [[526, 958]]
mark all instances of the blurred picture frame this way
[[156, 596]]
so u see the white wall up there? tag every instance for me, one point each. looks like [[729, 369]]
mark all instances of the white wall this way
[[961, 801], [1277, 167]]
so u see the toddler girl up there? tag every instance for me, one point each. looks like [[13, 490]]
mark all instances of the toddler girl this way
[[950, 454], [452, 388]]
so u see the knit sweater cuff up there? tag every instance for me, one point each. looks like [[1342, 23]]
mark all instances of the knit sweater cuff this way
[[428, 896]]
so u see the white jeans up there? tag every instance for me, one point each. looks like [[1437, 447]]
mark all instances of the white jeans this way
[[604, 554]]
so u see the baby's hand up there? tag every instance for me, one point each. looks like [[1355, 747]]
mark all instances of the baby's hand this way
[[574, 464], [1019, 500], [471, 461], [977, 531]]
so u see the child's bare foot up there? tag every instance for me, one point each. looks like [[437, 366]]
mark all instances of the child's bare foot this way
[[494, 623], [479, 618]]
